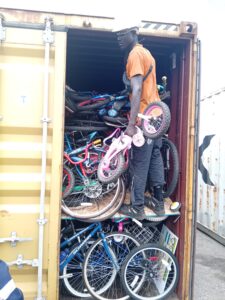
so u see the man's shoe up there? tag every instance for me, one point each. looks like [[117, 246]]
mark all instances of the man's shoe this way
[[133, 211], [155, 205]]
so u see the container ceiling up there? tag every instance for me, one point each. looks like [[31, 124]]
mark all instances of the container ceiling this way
[[95, 62]]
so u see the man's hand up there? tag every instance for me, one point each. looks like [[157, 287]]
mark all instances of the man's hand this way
[[130, 130]]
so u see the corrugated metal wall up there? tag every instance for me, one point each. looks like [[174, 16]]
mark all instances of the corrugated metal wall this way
[[21, 108], [211, 179]]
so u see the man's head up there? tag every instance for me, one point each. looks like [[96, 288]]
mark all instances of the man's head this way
[[127, 33]]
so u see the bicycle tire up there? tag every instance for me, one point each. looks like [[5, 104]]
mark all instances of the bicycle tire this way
[[116, 120], [111, 212], [93, 106], [72, 274], [115, 173], [115, 125], [174, 159], [71, 106], [86, 128], [147, 258], [165, 123], [69, 188], [77, 98], [121, 244], [86, 213], [82, 122]]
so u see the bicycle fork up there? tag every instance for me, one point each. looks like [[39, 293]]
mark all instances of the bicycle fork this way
[[109, 252]]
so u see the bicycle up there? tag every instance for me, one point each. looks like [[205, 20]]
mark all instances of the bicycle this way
[[113, 163], [118, 152], [150, 272], [103, 259], [85, 196]]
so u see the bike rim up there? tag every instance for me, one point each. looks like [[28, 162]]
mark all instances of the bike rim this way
[[160, 273], [152, 126], [121, 244]]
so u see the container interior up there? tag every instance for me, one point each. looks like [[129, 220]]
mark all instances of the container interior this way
[[95, 63]]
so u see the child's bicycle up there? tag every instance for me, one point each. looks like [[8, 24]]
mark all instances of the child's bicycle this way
[[115, 161], [92, 267]]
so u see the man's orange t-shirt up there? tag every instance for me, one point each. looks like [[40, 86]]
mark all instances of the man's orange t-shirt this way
[[138, 63]]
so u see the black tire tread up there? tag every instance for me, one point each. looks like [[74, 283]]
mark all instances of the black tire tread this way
[[92, 106], [175, 160], [86, 128], [72, 183]]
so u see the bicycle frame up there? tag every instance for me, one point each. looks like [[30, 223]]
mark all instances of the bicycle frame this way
[[97, 227], [84, 149], [120, 144]]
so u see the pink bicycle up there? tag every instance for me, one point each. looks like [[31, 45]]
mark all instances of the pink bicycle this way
[[115, 161], [155, 122]]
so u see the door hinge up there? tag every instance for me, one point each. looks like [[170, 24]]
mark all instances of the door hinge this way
[[14, 239], [48, 36], [20, 262], [2, 29]]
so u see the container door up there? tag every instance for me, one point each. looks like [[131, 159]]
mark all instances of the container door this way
[[196, 165], [22, 92]]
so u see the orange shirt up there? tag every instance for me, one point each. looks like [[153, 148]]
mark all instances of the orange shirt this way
[[138, 63]]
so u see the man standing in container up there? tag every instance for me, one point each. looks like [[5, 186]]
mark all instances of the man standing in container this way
[[141, 71]]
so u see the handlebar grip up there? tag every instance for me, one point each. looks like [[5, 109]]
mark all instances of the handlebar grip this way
[[96, 142]]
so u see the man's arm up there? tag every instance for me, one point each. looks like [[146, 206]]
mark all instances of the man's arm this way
[[136, 87]]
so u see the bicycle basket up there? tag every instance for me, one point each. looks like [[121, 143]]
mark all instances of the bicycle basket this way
[[145, 234]]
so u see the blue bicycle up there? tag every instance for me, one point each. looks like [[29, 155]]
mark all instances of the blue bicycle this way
[[99, 267]]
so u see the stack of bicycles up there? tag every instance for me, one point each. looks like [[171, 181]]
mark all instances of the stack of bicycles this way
[[111, 258], [96, 153], [126, 262], [84, 196]]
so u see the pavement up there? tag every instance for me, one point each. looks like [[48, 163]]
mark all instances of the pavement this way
[[209, 280]]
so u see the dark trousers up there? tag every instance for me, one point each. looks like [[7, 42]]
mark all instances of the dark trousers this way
[[145, 163]]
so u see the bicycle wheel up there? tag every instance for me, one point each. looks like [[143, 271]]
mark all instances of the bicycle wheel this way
[[158, 122], [69, 105], [91, 200], [116, 206], [72, 274], [115, 169], [68, 181], [86, 128], [171, 166], [116, 120], [99, 268], [150, 272], [90, 123], [92, 104]]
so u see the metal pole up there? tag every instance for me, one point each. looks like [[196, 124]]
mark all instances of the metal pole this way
[[48, 39]]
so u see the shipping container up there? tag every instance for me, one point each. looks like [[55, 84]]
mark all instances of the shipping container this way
[[39, 54], [211, 183]]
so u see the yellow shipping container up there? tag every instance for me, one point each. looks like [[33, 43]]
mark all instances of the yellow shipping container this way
[[34, 53]]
